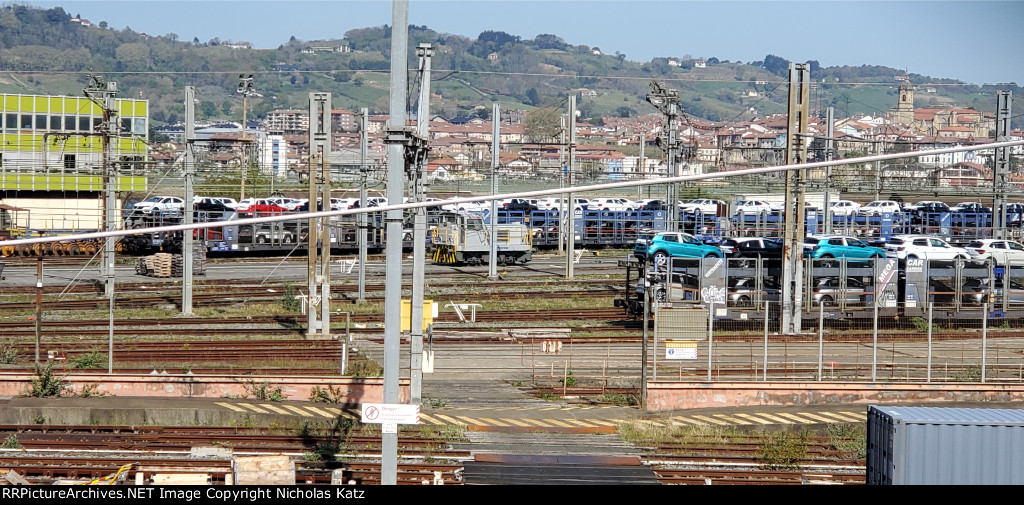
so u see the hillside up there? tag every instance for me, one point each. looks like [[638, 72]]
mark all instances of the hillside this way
[[46, 52]]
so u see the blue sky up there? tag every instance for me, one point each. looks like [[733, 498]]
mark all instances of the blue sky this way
[[974, 41]]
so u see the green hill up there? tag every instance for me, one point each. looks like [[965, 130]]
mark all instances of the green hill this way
[[42, 51]]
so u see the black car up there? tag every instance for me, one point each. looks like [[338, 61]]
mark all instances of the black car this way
[[926, 211], [654, 205], [751, 247], [519, 204]]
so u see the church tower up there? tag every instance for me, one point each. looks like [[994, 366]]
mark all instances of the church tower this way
[[904, 111]]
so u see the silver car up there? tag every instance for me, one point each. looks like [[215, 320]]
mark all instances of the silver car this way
[[828, 292]]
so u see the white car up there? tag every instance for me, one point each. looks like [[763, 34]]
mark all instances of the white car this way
[[753, 208], [843, 208], [611, 204], [877, 207], [1001, 252], [706, 206], [160, 205], [922, 247]]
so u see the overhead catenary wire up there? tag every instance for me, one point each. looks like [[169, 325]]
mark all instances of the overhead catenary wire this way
[[524, 194]]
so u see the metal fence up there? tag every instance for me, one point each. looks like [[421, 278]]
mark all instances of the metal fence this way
[[943, 345]]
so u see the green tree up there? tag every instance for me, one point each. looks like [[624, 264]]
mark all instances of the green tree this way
[[225, 107], [208, 108], [533, 96]]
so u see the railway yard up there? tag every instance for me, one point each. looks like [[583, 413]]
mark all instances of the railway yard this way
[[494, 382]]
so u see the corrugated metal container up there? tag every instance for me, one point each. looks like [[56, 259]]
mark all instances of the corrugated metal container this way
[[932, 445]]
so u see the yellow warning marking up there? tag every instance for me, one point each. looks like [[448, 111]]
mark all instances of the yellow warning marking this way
[[274, 409], [556, 422], [450, 419], [493, 421], [230, 406], [711, 420], [253, 408], [584, 424], [549, 408], [753, 418], [469, 420], [297, 410], [817, 417], [537, 422], [775, 418], [318, 411], [853, 417], [836, 415], [733, 419], [516, 422], [430, 419], [602, 422], [685, 421], [335, 411], [793, 417]]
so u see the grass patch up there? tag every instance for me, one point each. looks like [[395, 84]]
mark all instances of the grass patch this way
[[783, 450], [850, 440], [92, 359], [364, 368], [640, 433], [8, 354]]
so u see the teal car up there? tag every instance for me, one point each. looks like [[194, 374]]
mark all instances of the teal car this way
[[839, 246], [678, 244]]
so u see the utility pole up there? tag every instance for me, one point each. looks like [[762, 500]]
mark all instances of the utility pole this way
[[563, 170], [245, 87], [570, 213], [398, 136], [492, 262], [1001, 173], [419, 238], [829, 146], [796, 152], [190, 171], [319, 233], [361, 218], [667, 101], [109, 129]]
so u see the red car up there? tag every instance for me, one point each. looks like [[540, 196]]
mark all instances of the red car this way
[[261, 205]]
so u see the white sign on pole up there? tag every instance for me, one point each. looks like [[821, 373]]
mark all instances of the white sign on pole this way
[[390, 413]]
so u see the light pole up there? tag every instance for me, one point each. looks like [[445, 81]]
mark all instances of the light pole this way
[[667, 101], [245, 87]]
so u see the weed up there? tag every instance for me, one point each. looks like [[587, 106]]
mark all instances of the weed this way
[[289, 301], [329, 395], [434, 402], [218, 443], [548, 396], [11, 442], [39, 419], [8, 354], [47, 383], [969, 374], [263, 392], [850, 440], [90, 390], [364, 368], [514, 383], [920, 324], [783, 450], [94, 359], [621, 399], [569, 381], [327, 443], [186, 368]]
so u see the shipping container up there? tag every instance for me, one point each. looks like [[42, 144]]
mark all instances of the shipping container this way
[[942, 446]]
